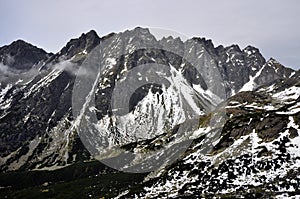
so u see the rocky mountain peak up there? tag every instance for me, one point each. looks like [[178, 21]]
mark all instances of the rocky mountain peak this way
[[251, 50], [138, 35], [91, 33], [82, 45], [233, 48], [141, 30], [20, 43], [272, 61], [171, 39], [207, 43], [254, 57], [21, 55]]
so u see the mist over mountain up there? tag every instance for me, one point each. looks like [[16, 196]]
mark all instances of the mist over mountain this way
[[238, 112]]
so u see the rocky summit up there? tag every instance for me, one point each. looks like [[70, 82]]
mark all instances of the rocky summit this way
[[188, 120]]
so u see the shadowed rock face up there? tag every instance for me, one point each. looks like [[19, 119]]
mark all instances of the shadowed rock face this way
[[36, 116], [21, 55]]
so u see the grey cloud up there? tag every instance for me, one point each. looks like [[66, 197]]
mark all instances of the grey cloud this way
[[4, 70], [72, 68]]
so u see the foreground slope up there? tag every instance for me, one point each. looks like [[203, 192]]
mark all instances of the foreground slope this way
[[257, 155]]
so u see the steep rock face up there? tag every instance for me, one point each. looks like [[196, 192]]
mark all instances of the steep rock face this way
[[36, 119], [273, 70], [36, 115], [21, 55], [77, 49], [239, 65]]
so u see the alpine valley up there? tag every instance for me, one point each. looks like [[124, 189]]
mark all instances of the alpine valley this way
[[239, 113]]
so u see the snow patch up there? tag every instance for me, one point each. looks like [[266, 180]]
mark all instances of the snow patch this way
[[250, 85]]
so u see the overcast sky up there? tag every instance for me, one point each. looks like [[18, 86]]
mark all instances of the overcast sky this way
[[271, 25]]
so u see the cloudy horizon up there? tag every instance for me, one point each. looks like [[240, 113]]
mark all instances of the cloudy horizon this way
[[271, 26]]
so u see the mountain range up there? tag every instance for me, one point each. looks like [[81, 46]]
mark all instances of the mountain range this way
[[188, 118]]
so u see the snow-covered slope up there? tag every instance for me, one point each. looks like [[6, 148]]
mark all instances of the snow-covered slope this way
[[257, 154]]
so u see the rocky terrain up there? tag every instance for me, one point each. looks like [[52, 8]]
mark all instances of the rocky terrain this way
[[235, 114]]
